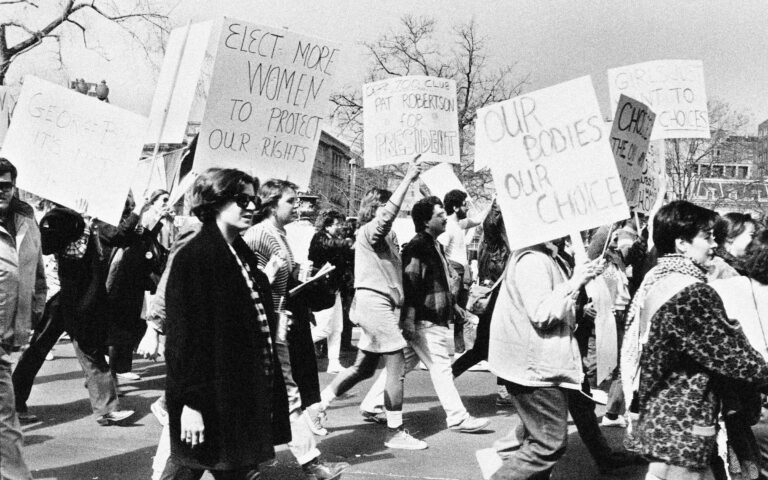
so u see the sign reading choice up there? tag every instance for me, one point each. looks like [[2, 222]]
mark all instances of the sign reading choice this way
[[407, 116], [67, 146], [630, 133], [652, 178], [268, 95], [551, 163], [674, 89]]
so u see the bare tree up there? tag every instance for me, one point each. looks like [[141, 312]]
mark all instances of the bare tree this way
[[27, 24], [684, 156], [413, 49]]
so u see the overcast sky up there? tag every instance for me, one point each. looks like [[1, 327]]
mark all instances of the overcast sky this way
[[553, 41]]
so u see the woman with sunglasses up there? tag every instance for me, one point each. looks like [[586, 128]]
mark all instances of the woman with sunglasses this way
[[268, 240], [225, 395]]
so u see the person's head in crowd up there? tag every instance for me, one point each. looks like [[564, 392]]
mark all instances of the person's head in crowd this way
[[278, 202], [159, 198], [58, 228], [330, 221], [348, 228], [680, 227], [733, 232], [429, 215], [756, 258], [7, 184], [226, 196], [372, 204], [456, 202]]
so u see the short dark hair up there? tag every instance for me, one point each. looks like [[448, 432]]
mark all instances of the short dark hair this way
[[216, 187], [454, 200], [7, 167], [756, 259], [731, 225], [679, 219], [371, 201], [270, 193], [326, 219], [422, 212]]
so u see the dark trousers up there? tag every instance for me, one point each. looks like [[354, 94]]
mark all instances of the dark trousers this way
[[101, 386], [543, 412], [174, 471], [364, 368], [479, 350]]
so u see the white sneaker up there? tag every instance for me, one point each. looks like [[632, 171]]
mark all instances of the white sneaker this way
[[620, 422], [49, 356], [128, 376], [334, 367], [316, 417], [160, 413], [403, 440]]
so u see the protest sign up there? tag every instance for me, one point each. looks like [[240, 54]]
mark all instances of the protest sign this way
[[177, 83], [630, 134], [440, 180], [268, 96], [8, 97], [652, 184], [407, 116], [673, 89], [68, 146], [551, 163]]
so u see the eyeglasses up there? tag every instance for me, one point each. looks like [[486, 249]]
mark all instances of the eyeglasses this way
[[7, 186], [243, 200]]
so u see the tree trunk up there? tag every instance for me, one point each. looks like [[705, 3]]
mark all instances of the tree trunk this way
[[5, 62]]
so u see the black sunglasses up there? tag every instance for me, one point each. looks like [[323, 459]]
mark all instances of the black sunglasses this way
[[7, 186], [243, 199]]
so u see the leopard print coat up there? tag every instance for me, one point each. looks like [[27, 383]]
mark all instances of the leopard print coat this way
[[691, 341]]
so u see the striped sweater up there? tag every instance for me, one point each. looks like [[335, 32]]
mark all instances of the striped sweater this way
[[266, 240]]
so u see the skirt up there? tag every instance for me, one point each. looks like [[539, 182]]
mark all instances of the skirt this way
[[379, 320]]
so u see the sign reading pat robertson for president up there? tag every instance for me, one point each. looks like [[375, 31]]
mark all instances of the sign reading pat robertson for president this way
[[68, 146], [267, 101], [551, 163], [407, 116]]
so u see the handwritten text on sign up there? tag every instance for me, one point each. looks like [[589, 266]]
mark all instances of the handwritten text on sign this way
[[673, 89], [652, 179], [8, 97], [630, 134], [268, 96], [66, 146], [551, 163], [407, 116]]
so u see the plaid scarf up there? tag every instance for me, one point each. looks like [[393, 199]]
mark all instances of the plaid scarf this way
[[261, 313]]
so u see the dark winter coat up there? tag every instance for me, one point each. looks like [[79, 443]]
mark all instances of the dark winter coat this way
[[83, 296], [214, 356]]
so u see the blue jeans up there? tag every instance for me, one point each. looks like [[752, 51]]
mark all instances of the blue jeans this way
[[12, 466]]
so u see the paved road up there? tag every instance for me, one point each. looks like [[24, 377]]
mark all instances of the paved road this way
[[67, 444]]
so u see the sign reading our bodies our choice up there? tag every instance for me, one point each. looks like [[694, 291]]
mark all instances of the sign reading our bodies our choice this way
[[407, 116], [630, 134], [267, 100], [551, 163], [68, 146], [673, 89]]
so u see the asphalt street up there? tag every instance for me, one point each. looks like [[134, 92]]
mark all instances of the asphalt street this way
[[67, 444]]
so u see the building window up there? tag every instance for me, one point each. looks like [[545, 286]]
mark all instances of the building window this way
[[743, 172], [730, 171], [705, 170], [717, 171]]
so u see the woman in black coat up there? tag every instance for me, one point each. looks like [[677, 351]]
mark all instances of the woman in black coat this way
[[226, 399]]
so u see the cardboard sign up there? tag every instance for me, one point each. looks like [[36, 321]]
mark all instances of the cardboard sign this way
[[177, 83], [267, 101], [652, 180], [67, 146], [407, 116], [630, 134], [440, 180], [551, 163], [674, 89], [8, 97]]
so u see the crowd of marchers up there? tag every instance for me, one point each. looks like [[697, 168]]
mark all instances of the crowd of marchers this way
[[663, 321]]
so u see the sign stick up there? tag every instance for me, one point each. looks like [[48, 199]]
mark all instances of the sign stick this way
[[607, 240], [167, 109]]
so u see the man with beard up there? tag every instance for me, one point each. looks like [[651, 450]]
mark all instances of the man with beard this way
[[453, 240], [22, 299]]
